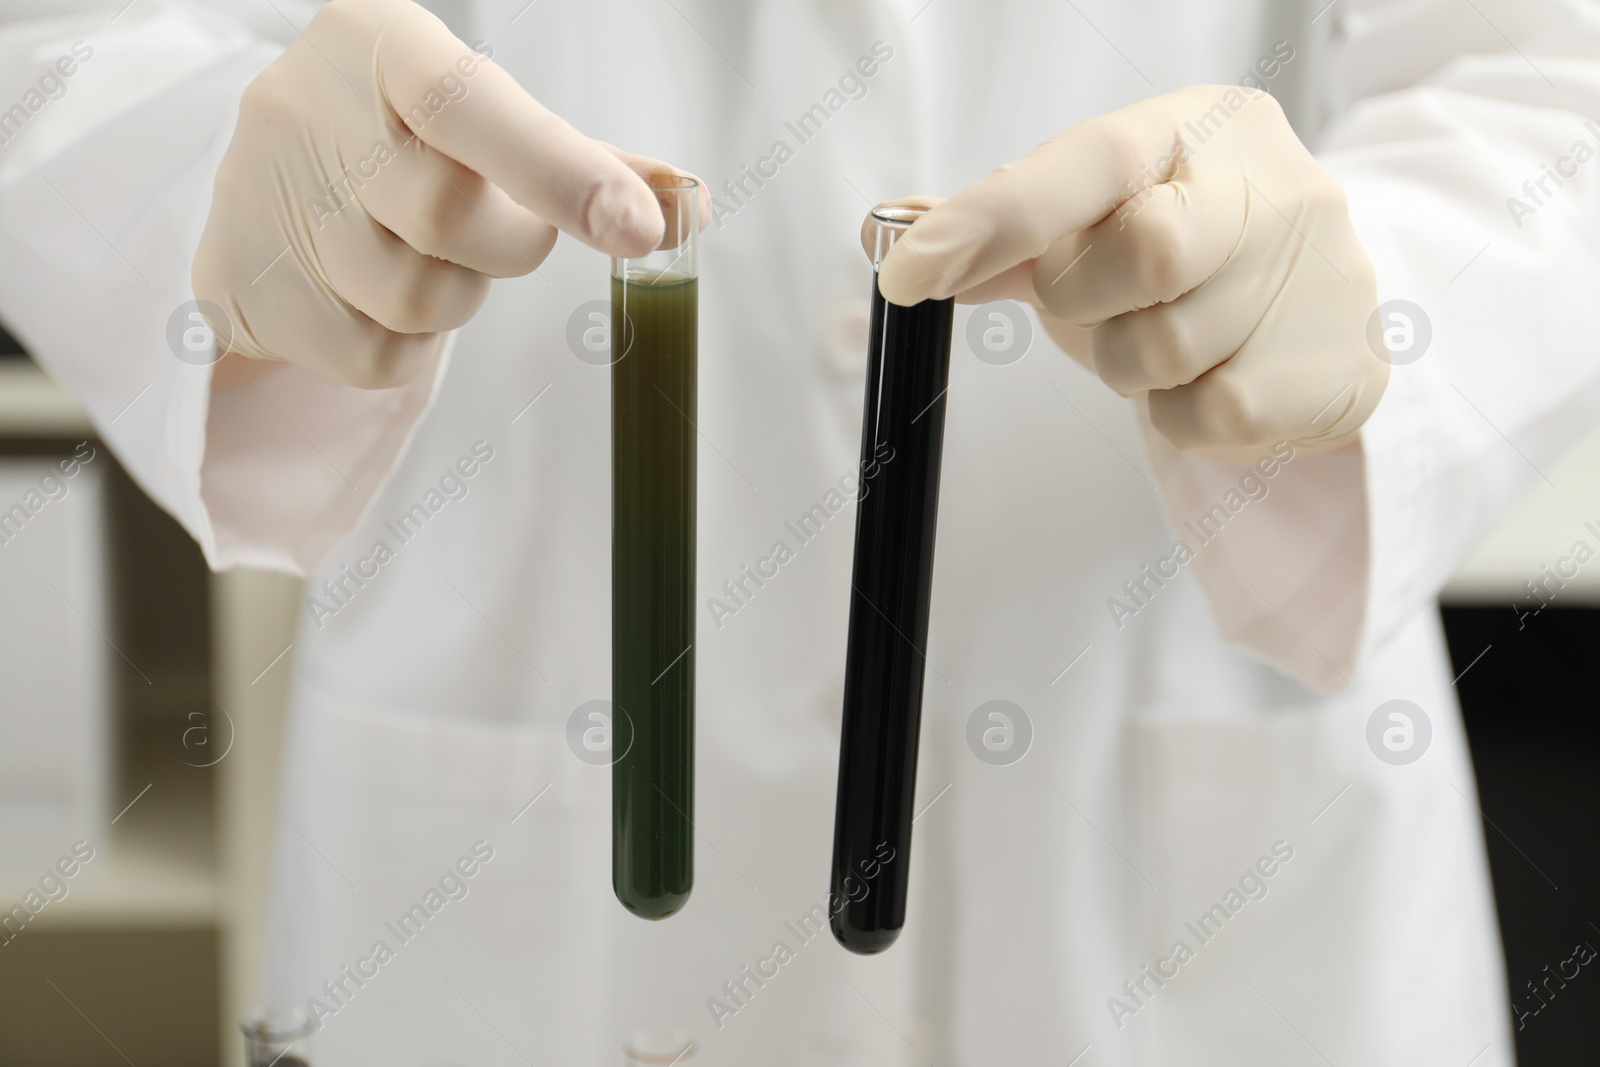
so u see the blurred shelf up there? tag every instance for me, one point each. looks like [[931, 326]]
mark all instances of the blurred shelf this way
[[31, 405], [1542, 530], [157, 867], [138, 887]]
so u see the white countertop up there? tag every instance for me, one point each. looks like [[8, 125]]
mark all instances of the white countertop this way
[[1539, 532]]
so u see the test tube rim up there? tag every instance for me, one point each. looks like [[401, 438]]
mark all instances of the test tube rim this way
[[890, 222], [678, 194], [901, 215], [663, 182], [277, 1025]]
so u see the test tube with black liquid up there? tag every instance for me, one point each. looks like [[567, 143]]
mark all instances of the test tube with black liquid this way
[[902, 437], [654, 317]]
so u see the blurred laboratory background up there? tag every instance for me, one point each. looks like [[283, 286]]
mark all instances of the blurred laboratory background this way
[[143, 701], [139, 714]]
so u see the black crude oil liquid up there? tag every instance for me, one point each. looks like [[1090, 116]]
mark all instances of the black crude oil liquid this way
[[902, 439], [653, 439]]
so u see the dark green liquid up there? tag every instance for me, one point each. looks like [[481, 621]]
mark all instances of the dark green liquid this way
[[653, 415]]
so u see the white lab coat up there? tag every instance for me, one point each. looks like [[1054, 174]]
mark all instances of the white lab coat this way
[[1171, 754]]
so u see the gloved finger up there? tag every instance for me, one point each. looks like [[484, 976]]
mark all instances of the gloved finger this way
[[1171, 344], [1069, 183], [1017, 284], [498, 130], [325, 334], [652, 171], [1162, 244], [392, 283], [1230, 406], [444, 210], [1014, 283], [1306, 373], [1258, 397]]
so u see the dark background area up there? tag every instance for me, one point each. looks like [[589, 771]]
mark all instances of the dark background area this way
[[1530, 705]]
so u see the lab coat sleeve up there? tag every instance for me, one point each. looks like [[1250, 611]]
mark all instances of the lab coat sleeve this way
[[105, 183], [1447, 111]]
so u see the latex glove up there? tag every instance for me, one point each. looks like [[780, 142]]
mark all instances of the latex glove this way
[[382, 172], [1187, 247]]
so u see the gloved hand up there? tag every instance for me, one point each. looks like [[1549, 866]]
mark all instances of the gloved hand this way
[[381, 174], [1188, 247]]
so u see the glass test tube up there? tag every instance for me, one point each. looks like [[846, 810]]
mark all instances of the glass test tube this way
[[902, 436], [654, 313], [657, 1048], [277, 1037]]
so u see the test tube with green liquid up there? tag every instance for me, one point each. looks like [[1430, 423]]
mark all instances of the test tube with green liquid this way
[[654, 313]]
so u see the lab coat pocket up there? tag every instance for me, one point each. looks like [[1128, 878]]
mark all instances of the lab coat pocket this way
[[1312, 903], [470, 847]]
